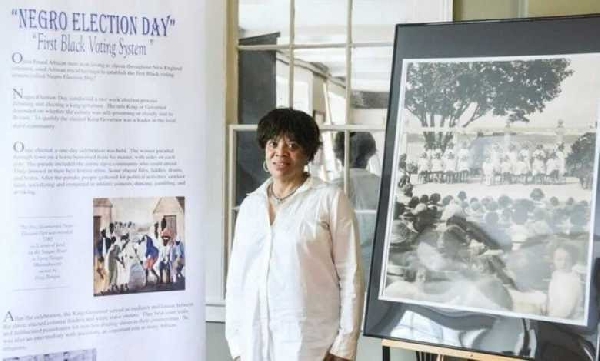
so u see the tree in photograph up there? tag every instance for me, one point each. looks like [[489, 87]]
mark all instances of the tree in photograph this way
[[580, 161], [452, 94]]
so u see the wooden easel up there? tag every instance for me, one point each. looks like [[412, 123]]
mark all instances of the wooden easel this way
[[435, 353]]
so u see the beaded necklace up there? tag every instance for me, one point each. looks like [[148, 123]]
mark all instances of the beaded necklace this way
[[280, 200]]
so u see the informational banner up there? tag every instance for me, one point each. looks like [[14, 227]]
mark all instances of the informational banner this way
[[102, 108]]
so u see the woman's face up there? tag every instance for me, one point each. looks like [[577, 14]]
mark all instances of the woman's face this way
[[285, 159], [562, 260]]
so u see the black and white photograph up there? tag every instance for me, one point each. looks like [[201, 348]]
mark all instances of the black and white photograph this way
[[79, 355], [139, 245], [492, 201]]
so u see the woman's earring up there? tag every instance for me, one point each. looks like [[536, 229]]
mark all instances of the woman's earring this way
[[265, 166]]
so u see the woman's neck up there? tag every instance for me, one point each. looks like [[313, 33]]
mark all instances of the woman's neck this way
[[282, 188]]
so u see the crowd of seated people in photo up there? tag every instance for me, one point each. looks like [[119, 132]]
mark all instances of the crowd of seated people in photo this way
[[526, 255]]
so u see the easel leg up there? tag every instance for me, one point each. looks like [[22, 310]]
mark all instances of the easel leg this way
[[385, 353]]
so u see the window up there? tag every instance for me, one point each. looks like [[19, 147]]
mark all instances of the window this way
[[331, 59]]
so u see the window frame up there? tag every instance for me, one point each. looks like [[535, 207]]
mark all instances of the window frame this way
[[233, 129], [440, 8]]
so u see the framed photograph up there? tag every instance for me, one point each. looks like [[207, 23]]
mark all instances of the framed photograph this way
[[492, 208], [485, 232]]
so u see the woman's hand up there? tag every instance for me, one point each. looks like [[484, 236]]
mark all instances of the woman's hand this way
[[330, 357]]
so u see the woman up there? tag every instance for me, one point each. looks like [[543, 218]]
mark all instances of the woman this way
[[294, 286]]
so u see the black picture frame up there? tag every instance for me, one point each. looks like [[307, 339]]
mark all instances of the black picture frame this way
[[480, 332]]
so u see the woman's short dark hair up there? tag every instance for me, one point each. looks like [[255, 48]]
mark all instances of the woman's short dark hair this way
[[447, 199], [414, 201], [294, 124], [504, 201], [536, 194]]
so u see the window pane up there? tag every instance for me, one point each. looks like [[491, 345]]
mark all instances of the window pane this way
[[325, 165], [282, 79], [233, 214], [321, 21], [258, 88], [249, 173], [253, 23], [375, 20], [365, 155], [320, 83], [336, 102], [363, 186], [303, 89], [366, 159], [371, 72]]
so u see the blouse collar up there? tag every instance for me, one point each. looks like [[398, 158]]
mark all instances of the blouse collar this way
[[310, 182]]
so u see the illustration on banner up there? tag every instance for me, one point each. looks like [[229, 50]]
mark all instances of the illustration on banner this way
[[139, 245]]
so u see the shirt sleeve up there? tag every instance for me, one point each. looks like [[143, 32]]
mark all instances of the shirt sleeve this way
[[347, 260], [233, 295]]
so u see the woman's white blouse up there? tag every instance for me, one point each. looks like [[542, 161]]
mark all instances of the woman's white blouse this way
[[295, 289]]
